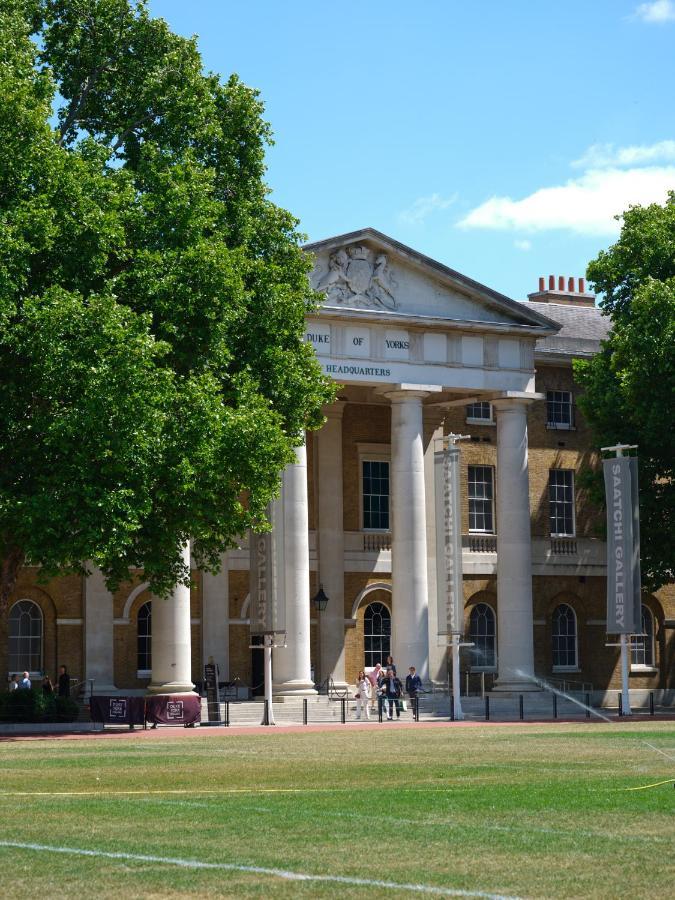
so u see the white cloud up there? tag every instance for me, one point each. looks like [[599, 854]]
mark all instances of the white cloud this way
[[600, 156], [585, 205], [423, 207], [656, 12], [522, 245]]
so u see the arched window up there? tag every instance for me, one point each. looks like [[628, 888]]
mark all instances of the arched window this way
[[564, 637], [376, 634], [483, 636], [25, 637], [145, 637], [642, 652]]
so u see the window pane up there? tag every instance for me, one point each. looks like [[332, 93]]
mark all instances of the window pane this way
[[24, 642], [481, 517], [561, 501], [481, 411], [375, 482], [482, 634], [564, 637], [144, 632], [642, 649], [376, 634], [559, 408]]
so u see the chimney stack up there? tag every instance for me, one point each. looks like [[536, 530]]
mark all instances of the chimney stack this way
[[565, 293]]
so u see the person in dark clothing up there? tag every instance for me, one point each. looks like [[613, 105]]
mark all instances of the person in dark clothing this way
[[392, 691], [413, 683], [64, 682], [47, 686]]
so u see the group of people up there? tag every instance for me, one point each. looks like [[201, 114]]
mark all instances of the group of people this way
[[17, 683], [381, 686]]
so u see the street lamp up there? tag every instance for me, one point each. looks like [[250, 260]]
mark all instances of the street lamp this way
[[320, 600]]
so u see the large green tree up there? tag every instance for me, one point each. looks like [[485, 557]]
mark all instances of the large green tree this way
[[629, 387], [153, 374]]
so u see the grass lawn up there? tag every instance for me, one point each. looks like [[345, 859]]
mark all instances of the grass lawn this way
[[518, 811]]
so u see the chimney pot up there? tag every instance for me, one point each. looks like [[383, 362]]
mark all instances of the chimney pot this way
[[561, 282], [542, 283], [570, 285], [582, 285], [551, 282]]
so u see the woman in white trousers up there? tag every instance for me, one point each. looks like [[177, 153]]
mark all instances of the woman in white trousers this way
[[362, 695]]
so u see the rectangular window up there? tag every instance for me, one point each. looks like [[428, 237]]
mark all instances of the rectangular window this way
[[479, 412], [375, 494], [559, 410], [481, 499], [561, 502]]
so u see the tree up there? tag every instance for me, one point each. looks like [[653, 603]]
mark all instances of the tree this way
[[629, 387], [154, 375]]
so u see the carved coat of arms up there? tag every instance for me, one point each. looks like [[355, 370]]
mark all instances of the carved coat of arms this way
[[358, 277]]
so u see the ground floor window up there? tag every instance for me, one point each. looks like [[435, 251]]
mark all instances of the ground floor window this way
[[376, 634], [483, 636], [564, 637], [144, 632], [25, 637], [642, 652]]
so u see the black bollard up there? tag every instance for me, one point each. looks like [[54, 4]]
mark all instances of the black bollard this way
[[343, 710], [651, 703], [487, 709], [620, 704], [521, 705], [379, 709], [588, 706], [304, 710], [227, 713], [555, 706]]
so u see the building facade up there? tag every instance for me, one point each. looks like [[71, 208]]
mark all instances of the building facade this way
[[420, 351]]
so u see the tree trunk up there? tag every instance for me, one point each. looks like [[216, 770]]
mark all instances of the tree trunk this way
[[9, 572]]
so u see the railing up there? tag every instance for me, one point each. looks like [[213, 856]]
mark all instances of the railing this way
[[565, 685], [481, 543], [376, 542], [564, 546], [328, 688]]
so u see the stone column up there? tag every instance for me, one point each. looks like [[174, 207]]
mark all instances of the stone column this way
[[216, 618], [291, 664], [410, 602], [438, 649], [98, 633], [515, 643], [171, 640], [331, 541]]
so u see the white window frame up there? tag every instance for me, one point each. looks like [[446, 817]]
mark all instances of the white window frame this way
[[374, 453], [646, 668], [143, 673], [573, 667], [33, 673], [560, 426], [474, 420], [480, 499], [494, 667], [573, 532]]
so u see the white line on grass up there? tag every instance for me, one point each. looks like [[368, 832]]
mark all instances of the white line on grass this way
[[257, 870]]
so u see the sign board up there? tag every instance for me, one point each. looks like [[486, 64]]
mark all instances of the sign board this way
[[267, 608], [449, 587], [212, 697], [623, 546]]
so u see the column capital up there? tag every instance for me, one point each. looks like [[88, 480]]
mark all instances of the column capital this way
[[515, 400], [402, 396]]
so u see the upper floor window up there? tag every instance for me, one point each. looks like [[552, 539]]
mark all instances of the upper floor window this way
[[25, 637], [559, 409], [642, 651], [561, 501], [480, 413], [481, 499], [483, 636], [564, 637], [375, 475], [144, 636]]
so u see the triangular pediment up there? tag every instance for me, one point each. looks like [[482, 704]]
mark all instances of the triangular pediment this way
[[366, 271]]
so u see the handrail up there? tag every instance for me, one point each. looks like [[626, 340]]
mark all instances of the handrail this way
[[328, 688]]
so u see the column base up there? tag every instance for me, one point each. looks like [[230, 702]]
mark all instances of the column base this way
[[171, 687], [298, 688]]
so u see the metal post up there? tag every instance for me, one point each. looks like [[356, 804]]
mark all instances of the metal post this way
[[304, 710], [620, 703], [522, 711], [379, 708], [482, 684], [555, 706], [588, 706], [651, 703], [452, 708], [625, 693], [456, 677], [268, 718], [343, 710], [227, 713], [416, 708], [466, 692], [487, 709]]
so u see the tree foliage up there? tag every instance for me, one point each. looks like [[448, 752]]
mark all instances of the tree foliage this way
[[152, 299], [629, 387]]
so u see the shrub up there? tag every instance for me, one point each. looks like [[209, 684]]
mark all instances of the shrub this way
[[67, 710]]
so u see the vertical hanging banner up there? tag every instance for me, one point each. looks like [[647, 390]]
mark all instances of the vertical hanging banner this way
[[637, 574], [449, 587], [623, 548], [267, 609]]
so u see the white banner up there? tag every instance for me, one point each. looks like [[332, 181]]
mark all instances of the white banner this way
[[449, 586], [623, 551]]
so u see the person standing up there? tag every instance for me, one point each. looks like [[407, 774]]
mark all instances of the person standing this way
[[64, 682], [374, 678], [25, 681], [13, 683], [390, 664], [362, 695], [392, 692], [413, 683], [47, 686]]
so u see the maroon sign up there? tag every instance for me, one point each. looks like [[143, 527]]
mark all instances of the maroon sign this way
[[181, 709], [117, 710]]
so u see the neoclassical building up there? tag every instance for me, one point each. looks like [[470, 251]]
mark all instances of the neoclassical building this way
[[420, 351]]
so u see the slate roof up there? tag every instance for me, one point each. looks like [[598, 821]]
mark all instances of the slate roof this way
[[582, 329]]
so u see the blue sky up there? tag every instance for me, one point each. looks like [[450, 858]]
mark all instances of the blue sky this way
[[497, 136]]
